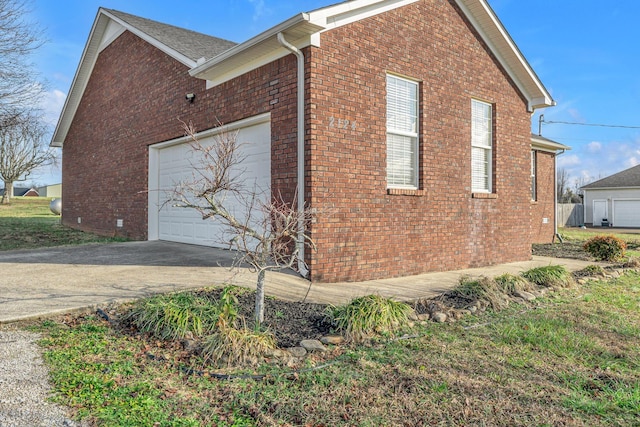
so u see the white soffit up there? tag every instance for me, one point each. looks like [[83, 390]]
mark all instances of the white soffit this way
[[544, 144]]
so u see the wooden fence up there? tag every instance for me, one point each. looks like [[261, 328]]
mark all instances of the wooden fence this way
[[570, 215]]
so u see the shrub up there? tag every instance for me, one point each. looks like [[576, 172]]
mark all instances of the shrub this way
[[238, 346], [605, 248], [368, 315], [480, 289], [552, 276]]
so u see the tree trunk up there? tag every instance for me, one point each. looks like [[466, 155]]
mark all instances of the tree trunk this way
[[259, 311], [8, 193]]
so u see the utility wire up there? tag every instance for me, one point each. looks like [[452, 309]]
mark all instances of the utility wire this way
[[588, 124]]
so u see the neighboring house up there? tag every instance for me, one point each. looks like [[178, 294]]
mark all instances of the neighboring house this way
[[407, 122], [53, 190], [22, 192], [615, 199]]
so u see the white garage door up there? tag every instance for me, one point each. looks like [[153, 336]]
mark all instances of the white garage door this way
[[626, 213], [176, 164]]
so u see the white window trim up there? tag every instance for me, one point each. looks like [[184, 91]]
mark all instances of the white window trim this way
[[412, 134], [484, 147]]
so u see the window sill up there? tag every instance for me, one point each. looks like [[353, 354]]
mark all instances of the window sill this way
[[484, 195], [534, 202], [404, 192]]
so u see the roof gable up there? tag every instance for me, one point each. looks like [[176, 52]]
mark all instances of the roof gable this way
[[186, 46], [218, 61], [625, 179], [305, 29]]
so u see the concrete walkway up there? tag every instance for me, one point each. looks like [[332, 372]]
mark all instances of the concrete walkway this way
[[44, 282]]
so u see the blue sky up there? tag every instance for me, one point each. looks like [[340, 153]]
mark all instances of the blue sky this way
[[587, 54]]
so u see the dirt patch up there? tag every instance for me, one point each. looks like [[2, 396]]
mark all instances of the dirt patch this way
[[567, 249]]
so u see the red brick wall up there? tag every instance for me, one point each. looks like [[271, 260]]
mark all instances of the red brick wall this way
[[368, 233], [134, 98], [544, 206]]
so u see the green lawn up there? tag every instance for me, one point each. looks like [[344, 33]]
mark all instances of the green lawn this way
[[27, 223], [571, 359]]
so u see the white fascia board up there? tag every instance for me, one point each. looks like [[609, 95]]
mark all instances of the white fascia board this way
[[103, 33], [301, 30], [610, 188], [352, 11], [202, 70], [80, 79], [547, 145], [485, 21]]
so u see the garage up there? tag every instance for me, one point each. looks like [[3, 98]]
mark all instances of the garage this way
[[174, 163], [626, 213]]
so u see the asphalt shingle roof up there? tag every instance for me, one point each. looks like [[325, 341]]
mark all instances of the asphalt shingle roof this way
[[627, 178], [191, 44]]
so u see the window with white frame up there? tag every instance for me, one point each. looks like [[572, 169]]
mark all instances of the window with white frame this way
[[534, 195], [402, 133], [481, 146]]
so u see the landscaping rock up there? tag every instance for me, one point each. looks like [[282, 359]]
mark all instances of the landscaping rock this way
[[313, 346], [297, 351], [423, 317], [439, 317], [332, 339], [527, 296]]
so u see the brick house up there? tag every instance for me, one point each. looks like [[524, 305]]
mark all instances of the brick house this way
[[410, 119]]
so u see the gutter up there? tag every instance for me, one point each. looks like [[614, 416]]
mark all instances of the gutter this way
[[302, 267]]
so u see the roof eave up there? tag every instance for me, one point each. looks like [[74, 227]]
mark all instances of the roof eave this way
[[299, 29], [544, 144], [85, 68], [495, 35]]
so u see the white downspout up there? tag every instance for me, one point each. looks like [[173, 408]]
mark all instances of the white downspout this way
[[302, 267]]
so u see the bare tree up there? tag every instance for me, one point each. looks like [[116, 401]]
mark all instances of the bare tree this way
[[19, 38], [266, 231], [22, 150], [562, 183]]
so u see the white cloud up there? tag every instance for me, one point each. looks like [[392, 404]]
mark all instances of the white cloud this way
[[594, 147]]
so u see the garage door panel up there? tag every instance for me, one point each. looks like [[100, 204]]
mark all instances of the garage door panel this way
[[176, 164], [626, 213]]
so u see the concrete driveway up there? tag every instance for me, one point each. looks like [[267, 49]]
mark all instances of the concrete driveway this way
[[44, 282], [35, 283]]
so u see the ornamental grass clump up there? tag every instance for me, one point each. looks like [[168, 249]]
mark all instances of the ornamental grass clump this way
[[174, 316], [605, 248], [510, 283], [551, 276], [237, 346], [368, 315], [480, 289]]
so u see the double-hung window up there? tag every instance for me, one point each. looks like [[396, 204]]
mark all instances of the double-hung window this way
[[481, 147], [402, 133], [534, 193]]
